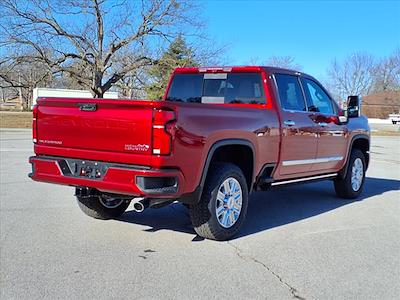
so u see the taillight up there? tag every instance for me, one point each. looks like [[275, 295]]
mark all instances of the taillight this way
[[34, 123], [162, 137]]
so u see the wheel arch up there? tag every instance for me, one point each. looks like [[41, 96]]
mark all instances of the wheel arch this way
[[361, 142], [242, 161]]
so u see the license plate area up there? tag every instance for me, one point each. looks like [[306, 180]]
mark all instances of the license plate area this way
[[83, 168]]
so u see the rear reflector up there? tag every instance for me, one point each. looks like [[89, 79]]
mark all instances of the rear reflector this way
[[162, 139], [34, 123]]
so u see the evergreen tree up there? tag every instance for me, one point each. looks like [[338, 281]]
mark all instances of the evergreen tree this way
[[178, 54]]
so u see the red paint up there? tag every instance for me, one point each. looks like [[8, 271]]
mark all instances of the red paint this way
[[128, 131], [117, 180]]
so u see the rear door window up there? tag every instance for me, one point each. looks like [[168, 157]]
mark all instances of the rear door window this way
[[244, 88], [290, 94]]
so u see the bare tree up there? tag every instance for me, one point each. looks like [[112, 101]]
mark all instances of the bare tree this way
[[202, 51], [20, 77], [386, 73], [286, 62], [352, 76], [89, 40]]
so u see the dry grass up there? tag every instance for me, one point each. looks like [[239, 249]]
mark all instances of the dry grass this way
[[385, 133], [15, 119]]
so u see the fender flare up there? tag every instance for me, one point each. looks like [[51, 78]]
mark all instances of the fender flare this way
[[219, 144], [194, 197], [343, 171]]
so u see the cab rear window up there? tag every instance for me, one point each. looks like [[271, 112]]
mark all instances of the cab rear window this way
[[245, 88]]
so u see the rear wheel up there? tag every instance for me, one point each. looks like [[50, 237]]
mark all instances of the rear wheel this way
[[223, 205], [350, 187], [100, 207]]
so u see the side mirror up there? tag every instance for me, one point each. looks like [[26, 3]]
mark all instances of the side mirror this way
[[353, 106], [342, 117]]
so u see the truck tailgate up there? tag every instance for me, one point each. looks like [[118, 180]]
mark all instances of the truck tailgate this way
[[96, 124]]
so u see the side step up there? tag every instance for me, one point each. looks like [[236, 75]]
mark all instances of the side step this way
[[264, 183], [299, 180]]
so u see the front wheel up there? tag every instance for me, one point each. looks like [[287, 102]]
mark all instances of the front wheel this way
[[350, 187], [99, 207], [223, 204]]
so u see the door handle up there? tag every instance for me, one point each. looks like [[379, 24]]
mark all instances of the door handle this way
[[323, 124], [289, 123]]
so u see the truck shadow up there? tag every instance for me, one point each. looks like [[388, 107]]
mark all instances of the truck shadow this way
[[267, 210]]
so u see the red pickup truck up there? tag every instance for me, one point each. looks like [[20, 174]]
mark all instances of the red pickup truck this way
[[218, 135]]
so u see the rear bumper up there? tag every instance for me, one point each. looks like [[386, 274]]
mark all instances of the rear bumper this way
[[119, 179]]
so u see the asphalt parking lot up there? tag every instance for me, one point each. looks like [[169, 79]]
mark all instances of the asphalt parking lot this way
[[298, 242]]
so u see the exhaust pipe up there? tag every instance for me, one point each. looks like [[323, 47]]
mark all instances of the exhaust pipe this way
[[140, 204]]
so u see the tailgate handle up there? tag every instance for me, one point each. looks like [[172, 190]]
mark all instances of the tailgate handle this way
[[87, 106]]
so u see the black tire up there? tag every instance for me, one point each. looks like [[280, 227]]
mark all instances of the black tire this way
[[394, 122], [92, 206], [343, 186], [203, 214]]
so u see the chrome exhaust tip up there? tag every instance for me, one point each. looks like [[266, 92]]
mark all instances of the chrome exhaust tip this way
[[139, 204]]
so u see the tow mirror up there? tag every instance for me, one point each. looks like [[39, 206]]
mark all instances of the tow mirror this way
[[353, 106]]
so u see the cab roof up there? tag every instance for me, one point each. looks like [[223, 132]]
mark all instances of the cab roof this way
[[234, 69]]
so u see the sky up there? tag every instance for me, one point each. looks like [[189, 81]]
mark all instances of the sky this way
[[313, 32]]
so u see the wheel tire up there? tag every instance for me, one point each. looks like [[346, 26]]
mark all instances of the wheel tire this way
[[203, 214], [92, 206], [343, 186]]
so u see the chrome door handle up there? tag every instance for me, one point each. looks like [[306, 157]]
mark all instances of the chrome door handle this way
[[323, 124], [289, 123]]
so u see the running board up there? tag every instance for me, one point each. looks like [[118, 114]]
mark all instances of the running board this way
[[303, 179]]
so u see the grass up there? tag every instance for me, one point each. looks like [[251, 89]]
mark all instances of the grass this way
[[15, 119], [385, 133]]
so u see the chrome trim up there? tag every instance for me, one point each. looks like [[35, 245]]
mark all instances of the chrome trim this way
[[304, 179], [289, 123], [336, 133], [311, 161]]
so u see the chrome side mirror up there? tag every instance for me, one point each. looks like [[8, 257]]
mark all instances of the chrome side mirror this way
[[343, 119]]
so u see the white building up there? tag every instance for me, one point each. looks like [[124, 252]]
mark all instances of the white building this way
[[64, 93]]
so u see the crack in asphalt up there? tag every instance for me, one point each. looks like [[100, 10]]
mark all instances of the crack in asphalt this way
[[239, 253]]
